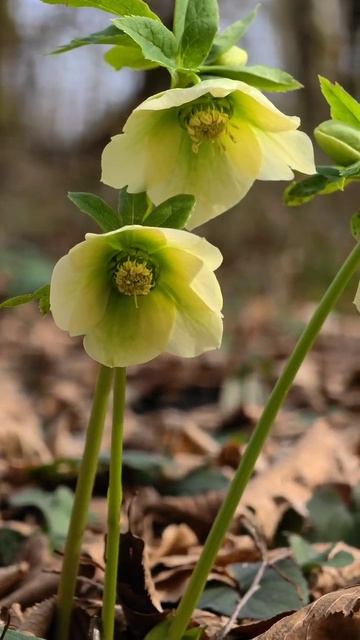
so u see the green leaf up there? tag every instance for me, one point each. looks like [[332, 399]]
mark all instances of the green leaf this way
[[309, 558], [200, 25], [231, 36], [331, 518], [259, 76], [352, 171], [133, 207], [41, 295], [110, 35], [128, 56], [16, 635], [299, 193], [97, 209], [179, 18], [55, 508], [118, 7], [173, 213], [278, 592], [355, 226], [157, 43], [342, 105]]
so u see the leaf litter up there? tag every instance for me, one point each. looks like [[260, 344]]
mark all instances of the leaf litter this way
[[290, 565]]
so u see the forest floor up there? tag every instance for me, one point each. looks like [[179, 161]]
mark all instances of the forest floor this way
[[293, 549]]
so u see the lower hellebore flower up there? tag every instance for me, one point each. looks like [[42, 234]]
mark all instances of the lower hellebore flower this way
[[138, 291], [211, 140]]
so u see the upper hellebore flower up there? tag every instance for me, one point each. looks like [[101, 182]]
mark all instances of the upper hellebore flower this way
[[138, 291], [211, 140]]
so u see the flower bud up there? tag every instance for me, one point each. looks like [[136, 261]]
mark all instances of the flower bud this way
[[234, 57], [339, 140]]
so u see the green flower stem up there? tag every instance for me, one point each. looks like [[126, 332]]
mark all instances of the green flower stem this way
[[80, 510], [114, 506], [255, 445]]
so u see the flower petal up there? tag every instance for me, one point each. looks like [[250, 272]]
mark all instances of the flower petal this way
[[219, 175], [129, 335], [197, 327], [80, 288], [126, 159], [193, 244], [284, 150], [197, 297]]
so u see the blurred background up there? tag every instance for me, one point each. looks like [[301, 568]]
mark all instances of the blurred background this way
[[58, 112]]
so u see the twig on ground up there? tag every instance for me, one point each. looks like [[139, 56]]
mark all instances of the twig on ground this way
[[255, 585]]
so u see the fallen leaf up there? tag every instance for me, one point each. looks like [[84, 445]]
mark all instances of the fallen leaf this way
[[333, 616]]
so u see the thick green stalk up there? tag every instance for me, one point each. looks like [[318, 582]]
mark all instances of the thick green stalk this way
[[80, 510], [114, 506], [255, 445]]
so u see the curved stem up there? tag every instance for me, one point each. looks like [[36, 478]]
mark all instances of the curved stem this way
[[114, 506], [80, 510], [255, 445]]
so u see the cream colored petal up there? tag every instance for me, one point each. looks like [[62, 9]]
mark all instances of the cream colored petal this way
[[193, 244], [125, 160], [80, 288], [285, 151], [197, 327], [357, 298], [219, 175], [129, 335], [252, 106], [206, 286], [197, 298], [217, 87]]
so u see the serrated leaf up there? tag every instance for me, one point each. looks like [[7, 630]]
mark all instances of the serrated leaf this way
[[128, 56], [200, 26], [355, 226], [133, 207], [41, 295], [259, 76], [342, 105], [157, 43], [110, 35], [231, 36], [173, 213], [97, 209], [117, 7]]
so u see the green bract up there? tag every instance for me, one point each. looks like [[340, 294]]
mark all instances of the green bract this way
[[211, 140], [137, 292], [340, 141]]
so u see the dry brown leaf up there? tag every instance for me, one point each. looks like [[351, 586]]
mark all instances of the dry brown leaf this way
[[136, 590], [175, 539], [291, 481], [334, 616], [11, 576], [198, 512], [328, 579], [38, 619]]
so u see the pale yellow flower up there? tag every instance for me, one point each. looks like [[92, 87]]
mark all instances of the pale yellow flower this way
[[211, 140], [138, 291]]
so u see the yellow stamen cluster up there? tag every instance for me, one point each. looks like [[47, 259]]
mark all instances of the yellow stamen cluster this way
[[134, 278], [206, 125]]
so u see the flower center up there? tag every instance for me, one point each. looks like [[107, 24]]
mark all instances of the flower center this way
[[206, 120], [134, 278]]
